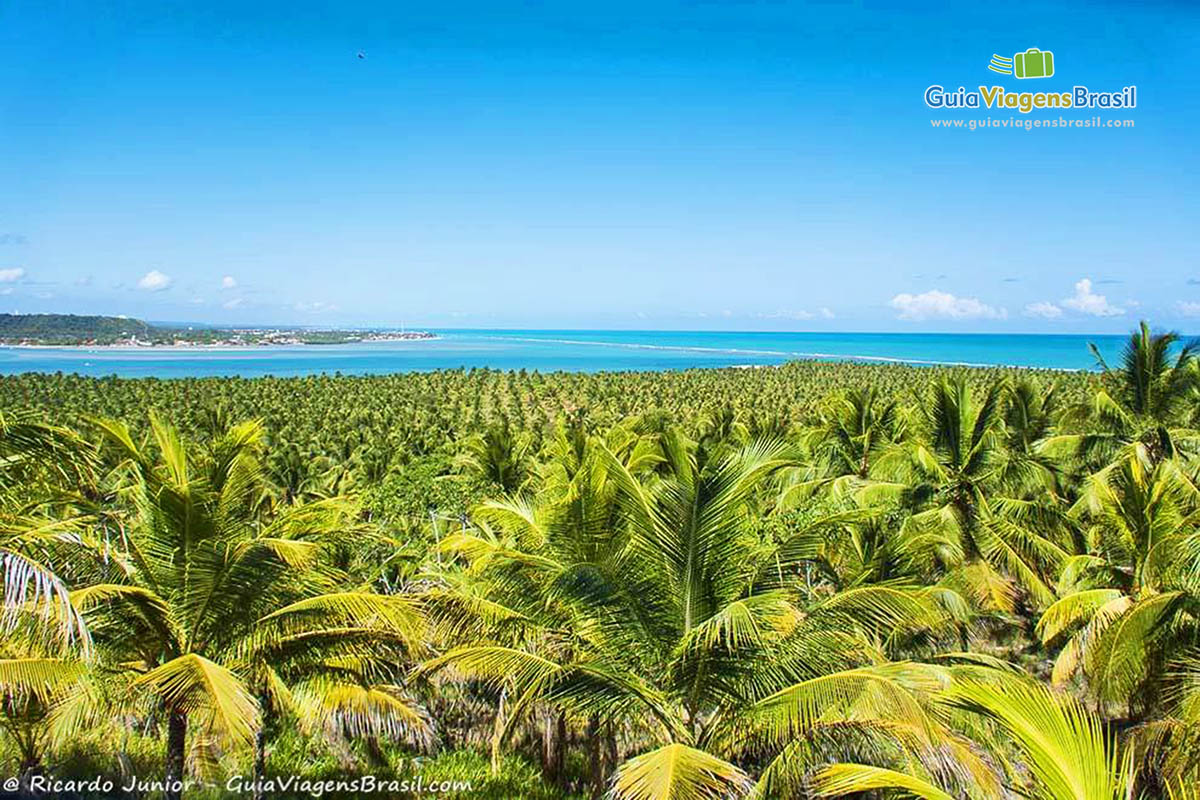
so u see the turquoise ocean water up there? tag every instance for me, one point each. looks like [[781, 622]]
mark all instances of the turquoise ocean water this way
[[577, 351]]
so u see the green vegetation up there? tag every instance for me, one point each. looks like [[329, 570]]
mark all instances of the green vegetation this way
[[821, 580], [69, 329]]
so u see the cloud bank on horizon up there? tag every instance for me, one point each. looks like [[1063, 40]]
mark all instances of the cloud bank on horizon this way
[[943, 305]]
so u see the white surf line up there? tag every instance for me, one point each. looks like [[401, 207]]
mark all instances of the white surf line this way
[[639, 346], [787, 353]]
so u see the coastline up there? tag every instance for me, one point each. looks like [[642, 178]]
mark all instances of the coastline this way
[[557, 351], [794, 355], [208, 348]]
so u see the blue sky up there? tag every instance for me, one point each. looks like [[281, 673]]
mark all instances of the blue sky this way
[[693, 165]]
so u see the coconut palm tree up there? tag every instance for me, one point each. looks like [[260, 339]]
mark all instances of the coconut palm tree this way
[[636, 592], [1062, 751], [856, 427], [640, 601], [498, 455], [524, 596], [37, 462], [1150, 383], [1142, 400], [1128, 604], [1031, 412], [197, 567], [337, 664], [964, 489], [32, 677]]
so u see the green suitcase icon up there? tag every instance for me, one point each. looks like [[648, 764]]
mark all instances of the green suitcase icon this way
[[1033, 63]]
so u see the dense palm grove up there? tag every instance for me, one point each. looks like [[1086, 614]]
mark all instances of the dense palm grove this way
[[820, 580]]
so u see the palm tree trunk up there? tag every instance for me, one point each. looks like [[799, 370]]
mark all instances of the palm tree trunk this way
[[375, 754], [595, 758], [260, 747], [260, 763], [176, 751], [547, 755], [31, 765], [611, 754], [556, 750]]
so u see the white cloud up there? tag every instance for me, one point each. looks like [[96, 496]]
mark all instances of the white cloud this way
[[823, 313], [787, 315], [315, 307], [10, 275], [1085, 301], [1044, 310], [1188, 309], [234, 303], [6, 290], [228, 282], [943, 305], [154, 281]]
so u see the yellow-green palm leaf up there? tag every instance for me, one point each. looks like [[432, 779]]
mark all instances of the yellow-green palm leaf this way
[[679, 772]]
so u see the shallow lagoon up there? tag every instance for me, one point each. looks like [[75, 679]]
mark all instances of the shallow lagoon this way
[[577, 351]]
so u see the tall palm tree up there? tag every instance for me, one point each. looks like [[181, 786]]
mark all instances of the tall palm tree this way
[[197, 567], [954, 476], [1150, 382], [856, 427], [525, 596], [498, 455], [1030, 414], [32, 677], [638, 591], [1128, 604], [38, 461], [1142, 400], [337, 664]]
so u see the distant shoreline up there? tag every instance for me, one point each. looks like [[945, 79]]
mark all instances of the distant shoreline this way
[[216, 347], [566, 352]]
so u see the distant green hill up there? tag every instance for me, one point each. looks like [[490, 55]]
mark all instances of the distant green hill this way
[[71, 328]]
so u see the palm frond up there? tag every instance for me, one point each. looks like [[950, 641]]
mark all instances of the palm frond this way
[[839, 780], [1063, 745], [194, 684], [678, 772]]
